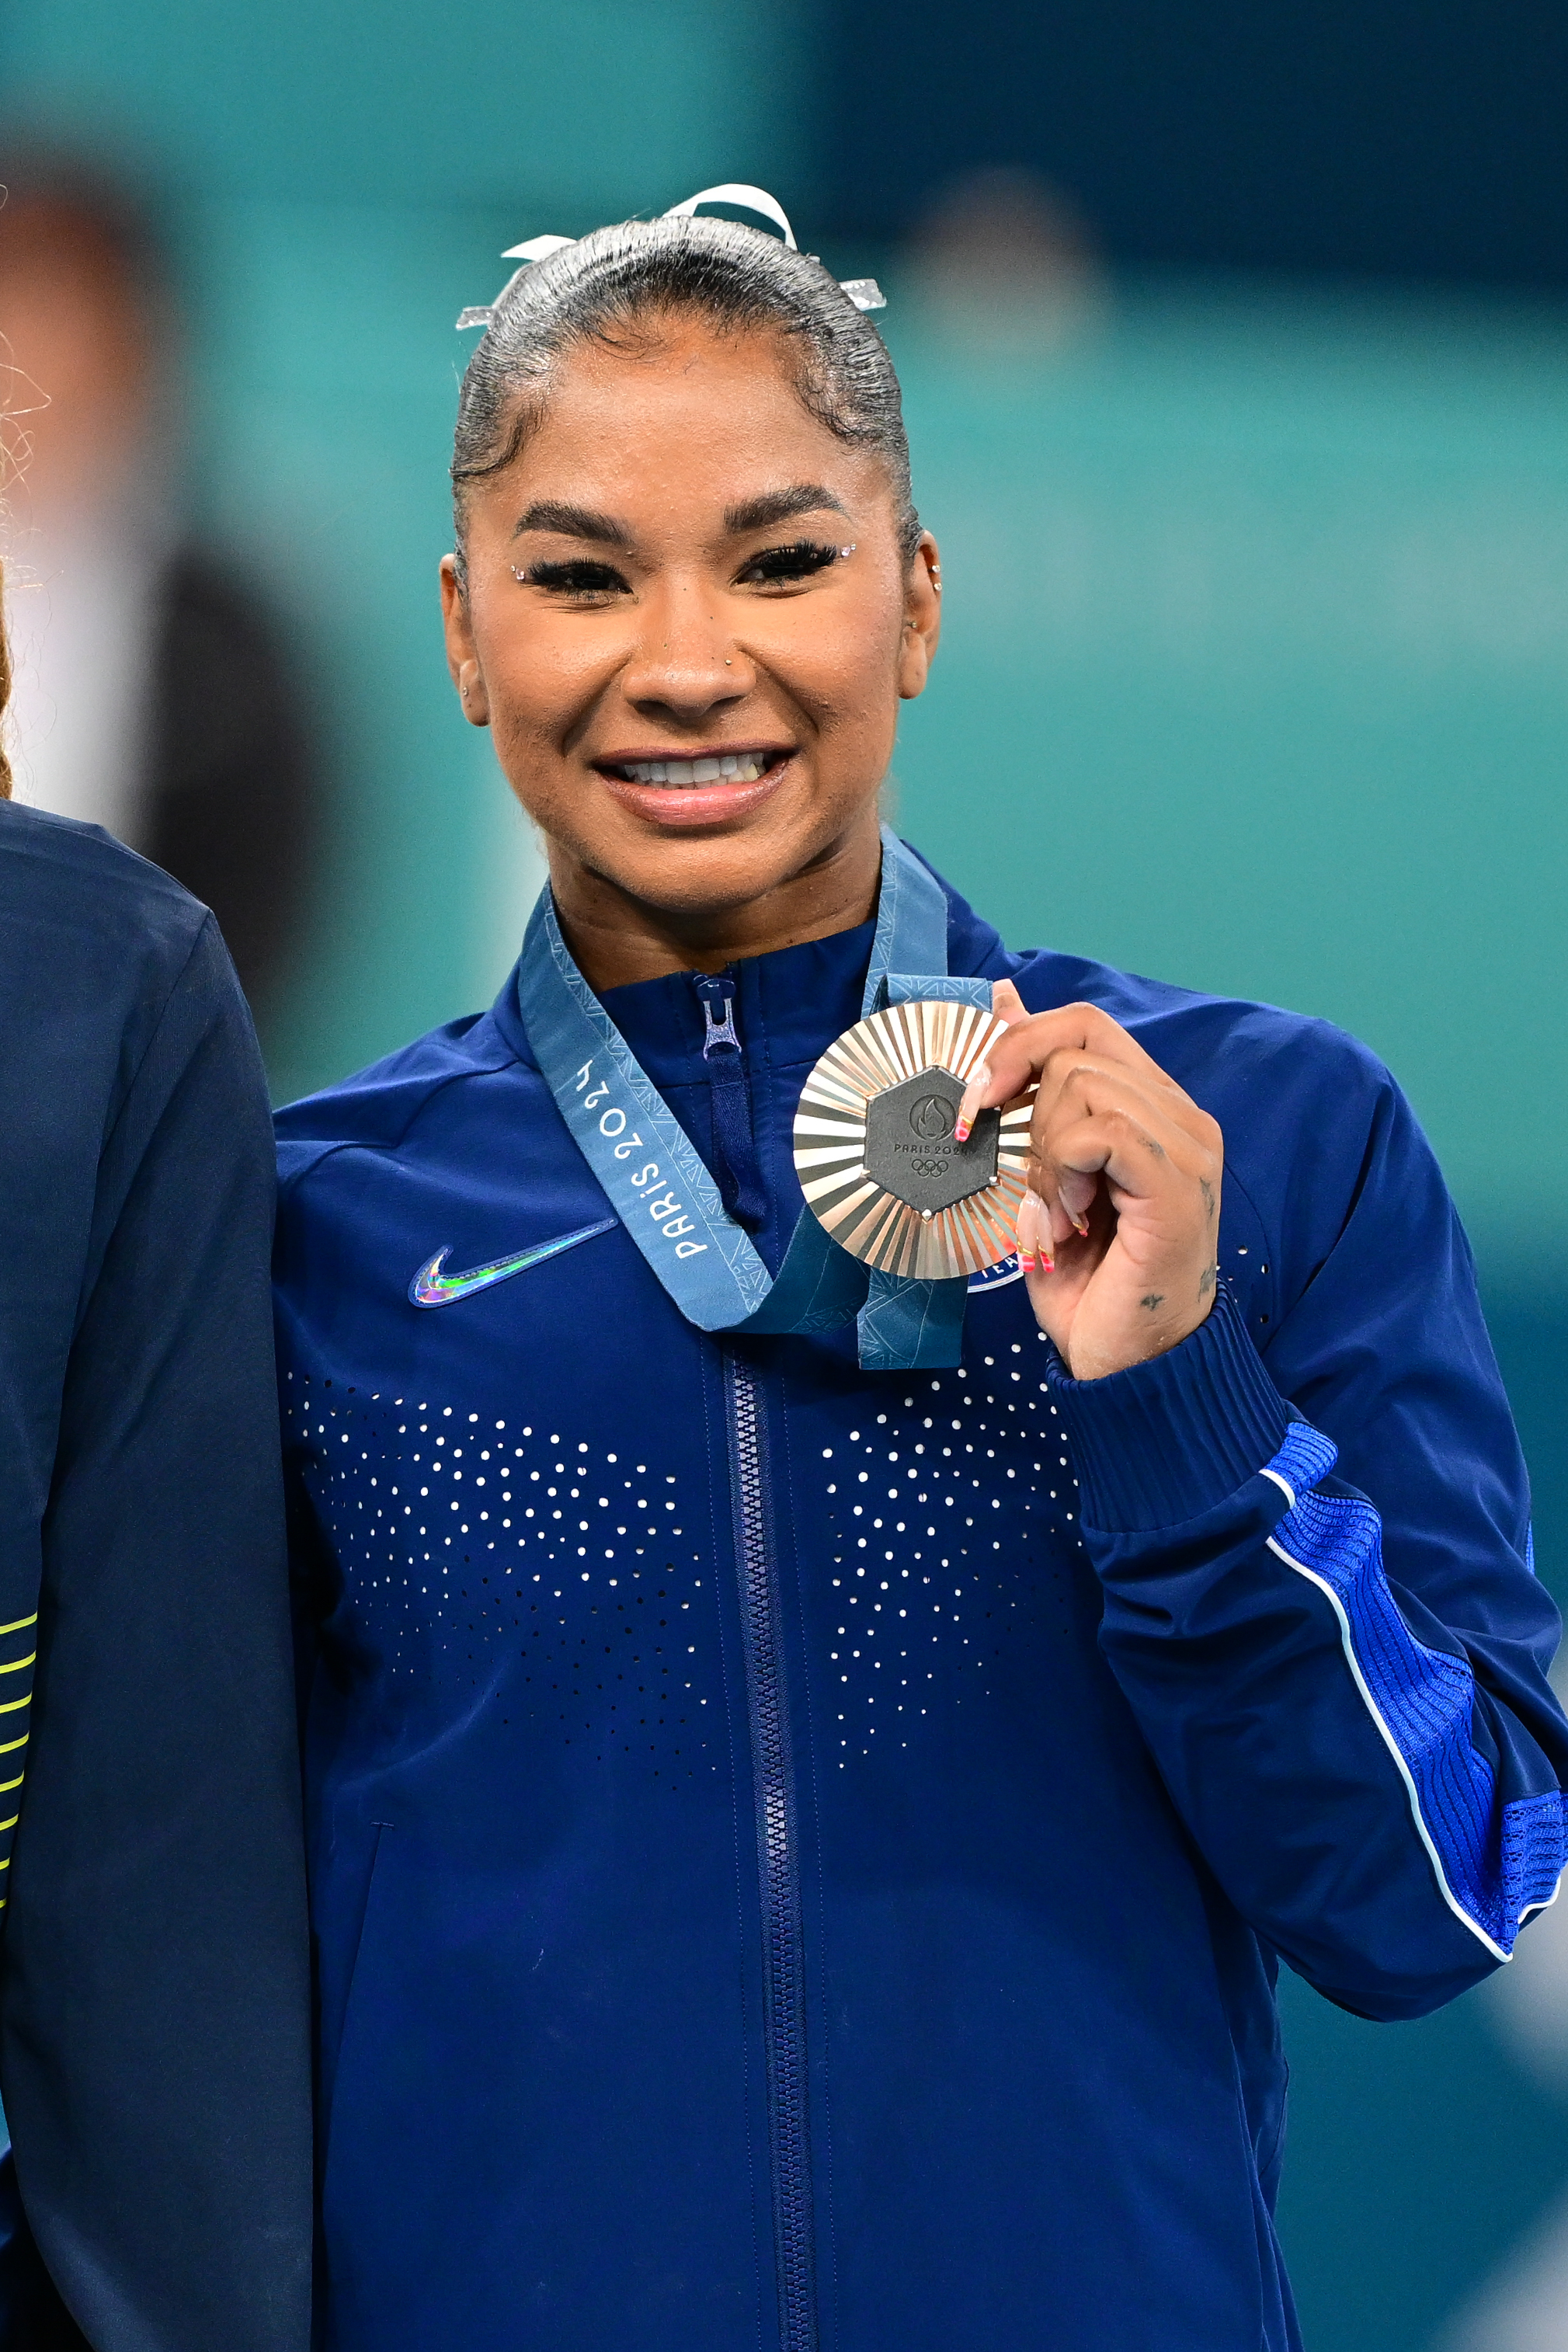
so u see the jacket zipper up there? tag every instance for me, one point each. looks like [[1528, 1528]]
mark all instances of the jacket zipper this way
[[773, 1779]]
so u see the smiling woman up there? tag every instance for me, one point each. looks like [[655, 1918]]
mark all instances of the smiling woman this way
[[687, 539], [884, 1338]]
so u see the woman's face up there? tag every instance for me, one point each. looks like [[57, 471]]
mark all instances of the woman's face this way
[[682, 568]]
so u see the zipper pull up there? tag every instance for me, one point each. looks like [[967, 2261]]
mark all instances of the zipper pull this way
[[718, 1032], [735, 1166]]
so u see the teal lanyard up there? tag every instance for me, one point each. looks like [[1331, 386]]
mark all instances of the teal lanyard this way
[[664, 1195]]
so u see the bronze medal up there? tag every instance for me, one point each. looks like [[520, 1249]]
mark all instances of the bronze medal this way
[[875, 1151]]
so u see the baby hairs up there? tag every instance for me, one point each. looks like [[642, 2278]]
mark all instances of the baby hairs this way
[[622, 284]]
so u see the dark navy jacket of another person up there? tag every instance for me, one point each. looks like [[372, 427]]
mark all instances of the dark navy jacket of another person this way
[[155, 2059], [801, 1856]]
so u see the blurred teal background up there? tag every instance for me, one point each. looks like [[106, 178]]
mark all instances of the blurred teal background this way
[[1256, 677]]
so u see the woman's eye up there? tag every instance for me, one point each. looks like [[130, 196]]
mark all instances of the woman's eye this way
[[797, 562], [582, 578]]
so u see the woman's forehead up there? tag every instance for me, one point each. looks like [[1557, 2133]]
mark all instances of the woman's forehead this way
[[689, 375], [710, 423]]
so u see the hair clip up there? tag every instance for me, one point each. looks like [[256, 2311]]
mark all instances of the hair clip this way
[[864, 292]]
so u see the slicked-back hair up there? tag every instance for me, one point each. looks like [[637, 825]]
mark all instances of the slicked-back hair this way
[[621, 286]]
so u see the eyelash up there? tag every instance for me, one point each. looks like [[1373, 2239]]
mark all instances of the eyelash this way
[[774, 567], [584, 578], [798, 561]]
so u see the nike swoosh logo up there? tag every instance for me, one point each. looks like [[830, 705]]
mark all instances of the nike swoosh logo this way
[[430, 1287]]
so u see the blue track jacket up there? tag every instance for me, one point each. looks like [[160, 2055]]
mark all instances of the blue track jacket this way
[[801, 1856], [155, 1991]]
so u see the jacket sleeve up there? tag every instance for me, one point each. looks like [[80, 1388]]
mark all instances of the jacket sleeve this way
[[1344, 1684], [156, 2001]]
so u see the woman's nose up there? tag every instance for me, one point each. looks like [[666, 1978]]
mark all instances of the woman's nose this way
[[685, 660]]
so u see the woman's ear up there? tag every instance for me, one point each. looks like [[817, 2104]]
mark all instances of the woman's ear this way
[[922, 618], [462, 659]]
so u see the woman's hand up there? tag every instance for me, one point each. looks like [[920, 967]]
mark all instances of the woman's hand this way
[[1118, 1233]]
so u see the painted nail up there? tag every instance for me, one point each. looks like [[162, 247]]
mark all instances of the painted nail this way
[[969, 1102], [1026, 1261], [1046, 1265]]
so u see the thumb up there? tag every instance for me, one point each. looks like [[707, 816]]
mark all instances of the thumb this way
[[1007, 1004]]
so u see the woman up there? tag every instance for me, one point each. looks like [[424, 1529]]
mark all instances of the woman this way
[[154, 1996], [808, 1779]]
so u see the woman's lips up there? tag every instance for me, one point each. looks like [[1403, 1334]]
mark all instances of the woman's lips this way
[[677, 805]]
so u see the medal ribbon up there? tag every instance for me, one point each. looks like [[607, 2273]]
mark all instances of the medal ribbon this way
[[662, 1193]]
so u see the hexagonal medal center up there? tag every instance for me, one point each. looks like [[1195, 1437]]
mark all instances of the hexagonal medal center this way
[[909, 1146]]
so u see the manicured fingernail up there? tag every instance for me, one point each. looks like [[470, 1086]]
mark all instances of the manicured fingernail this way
[[1046, 1265], [969, 1102], [1081, 1227], [1026, 1261]]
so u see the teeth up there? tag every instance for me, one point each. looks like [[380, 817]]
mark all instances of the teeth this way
[[678, 775]]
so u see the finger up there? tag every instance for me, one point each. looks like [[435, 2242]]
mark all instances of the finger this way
[[1014, 1059], [971, 1101], [1143, 1145], [1033, 1231], [1073, 1086], [1041, 1035], [1150, 1192]]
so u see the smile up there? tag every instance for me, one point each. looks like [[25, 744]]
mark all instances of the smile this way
[[686, 775]]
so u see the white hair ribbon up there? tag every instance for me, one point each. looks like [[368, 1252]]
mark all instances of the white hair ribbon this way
[[864, 292], [535, 248], [752, 200]]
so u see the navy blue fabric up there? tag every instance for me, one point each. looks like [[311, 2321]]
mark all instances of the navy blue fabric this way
[[155, 1988], [776, 1822]]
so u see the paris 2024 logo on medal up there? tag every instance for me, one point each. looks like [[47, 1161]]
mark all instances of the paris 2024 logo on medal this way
[[877, 1157]]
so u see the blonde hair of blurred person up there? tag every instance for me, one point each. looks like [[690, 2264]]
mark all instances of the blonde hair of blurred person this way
[[84, 523], [4, 700]]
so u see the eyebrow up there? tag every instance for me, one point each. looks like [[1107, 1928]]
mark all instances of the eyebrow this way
[[572, 522], [778, 506]]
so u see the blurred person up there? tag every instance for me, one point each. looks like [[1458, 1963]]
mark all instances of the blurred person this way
[[153, 695], [154, 1988], [1001, 261], [1039, 1530]]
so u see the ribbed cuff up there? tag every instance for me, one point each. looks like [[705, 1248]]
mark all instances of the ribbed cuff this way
[[1163, 1441]]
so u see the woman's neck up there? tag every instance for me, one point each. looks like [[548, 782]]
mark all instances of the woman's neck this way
[[617, 937]]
